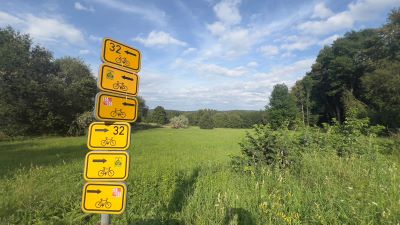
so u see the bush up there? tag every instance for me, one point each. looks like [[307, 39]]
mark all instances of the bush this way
[[206, 122], [81, 123], [179, 122], [266, 146]]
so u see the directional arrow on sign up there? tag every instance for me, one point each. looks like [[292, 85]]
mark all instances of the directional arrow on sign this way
[[128, 104], [99, 160], [130, 53], [101, 130], [94, 191], [126, 78]]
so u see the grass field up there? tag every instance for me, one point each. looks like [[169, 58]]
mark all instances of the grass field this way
[[183, 177]]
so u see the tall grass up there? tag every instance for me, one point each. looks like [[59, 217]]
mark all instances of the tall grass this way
[[184, 177]]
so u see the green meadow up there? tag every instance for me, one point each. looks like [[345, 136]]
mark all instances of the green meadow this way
[[184, 176]]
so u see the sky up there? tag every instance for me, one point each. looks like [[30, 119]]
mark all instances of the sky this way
[[218, 54]]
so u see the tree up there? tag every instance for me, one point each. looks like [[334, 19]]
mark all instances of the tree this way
[[72, 89], [40, 95], [159, 116], [143, 109], [383, 94], [180, 121], [206, 121], [282, 107]]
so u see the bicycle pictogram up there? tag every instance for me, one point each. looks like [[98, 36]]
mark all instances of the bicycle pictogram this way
[[106, 172], [118, 113], [108, 141], [103, 203], [122, 60], [120, 85]]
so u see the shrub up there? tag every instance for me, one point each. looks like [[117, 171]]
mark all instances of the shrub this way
[[81, 123], [206, 122], [266, 146], [179, 122]]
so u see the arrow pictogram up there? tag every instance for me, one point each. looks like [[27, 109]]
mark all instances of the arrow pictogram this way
[[94, 191], [99, 160], [130, 53], [101, 130], [128, 104], [126, 78]]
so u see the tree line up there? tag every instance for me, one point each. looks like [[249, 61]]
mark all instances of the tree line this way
[[208, 118]]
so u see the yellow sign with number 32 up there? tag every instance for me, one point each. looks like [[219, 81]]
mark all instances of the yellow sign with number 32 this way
[[122, 55], [109, 136]]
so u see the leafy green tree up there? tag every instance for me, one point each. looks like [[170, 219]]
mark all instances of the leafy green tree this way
[[383, 94], [282, 107], [143, 109], [159, 116], [75, 87], [40, 95], [206, 121]]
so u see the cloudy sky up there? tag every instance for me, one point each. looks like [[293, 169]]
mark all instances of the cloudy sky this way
[[199, 54]]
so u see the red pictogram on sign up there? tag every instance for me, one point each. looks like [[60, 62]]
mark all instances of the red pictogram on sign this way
[[107, 101], [117, 192]]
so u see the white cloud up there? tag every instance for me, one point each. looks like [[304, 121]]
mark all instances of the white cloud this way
[[321, 11], [79, 6], [233, 40], [269, 50], [227, 11], [50, 29], [9, 20], [359, 10], [340, 21], [212, 69], [84, 51], [217, 28], [301, 43], [44, 29], [188, 51], [329, 40], [146, 12], [159, 38], [366, 10], [252, 64]]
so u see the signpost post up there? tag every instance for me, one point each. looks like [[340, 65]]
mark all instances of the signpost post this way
[[107, 165]]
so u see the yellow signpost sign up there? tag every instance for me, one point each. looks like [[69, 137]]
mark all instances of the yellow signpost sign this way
[[104, 197], [106, 165], [118, 80], [120, 54], [109, 136], [113, 107]]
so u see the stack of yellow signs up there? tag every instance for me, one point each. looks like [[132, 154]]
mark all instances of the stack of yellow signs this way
[[107, 164]]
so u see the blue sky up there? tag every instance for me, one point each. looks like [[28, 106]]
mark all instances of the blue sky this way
[[199, 54]]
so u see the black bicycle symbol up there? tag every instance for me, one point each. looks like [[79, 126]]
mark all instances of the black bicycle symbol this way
[[108, 142], [106, 172], [120, 85], [122, 60], [103, 203], [118, 113]]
